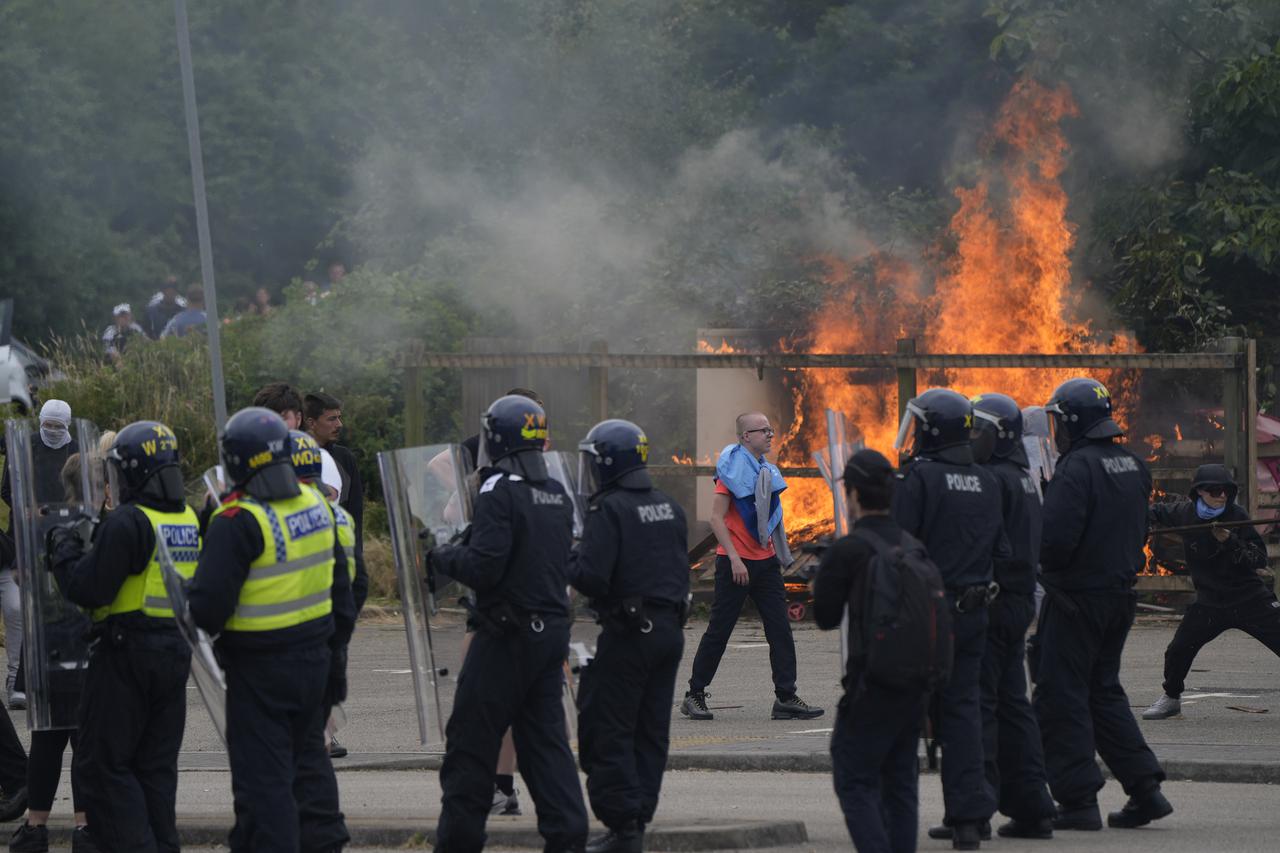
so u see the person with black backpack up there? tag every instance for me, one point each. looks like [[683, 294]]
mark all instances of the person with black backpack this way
[[899, 650]]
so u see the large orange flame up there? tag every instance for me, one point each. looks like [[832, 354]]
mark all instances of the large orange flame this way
[[1006, 288]]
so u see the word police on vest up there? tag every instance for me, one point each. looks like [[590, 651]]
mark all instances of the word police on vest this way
[[656, 512], [183, 541], [308, 521], [964, 483], [1120, 465], [547, 498]]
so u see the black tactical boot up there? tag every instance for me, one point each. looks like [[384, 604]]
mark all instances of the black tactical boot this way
[[944, 832], [694, 706], [29, 839], [1015, 828], [966, 836], [627, 838], [1141, 810], [794, 708], [1082, 815]]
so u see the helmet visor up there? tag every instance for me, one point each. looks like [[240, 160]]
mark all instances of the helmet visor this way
[[908, 438], [588, 470]]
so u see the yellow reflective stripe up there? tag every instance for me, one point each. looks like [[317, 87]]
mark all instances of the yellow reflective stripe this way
[[252, 611], [263, 572]]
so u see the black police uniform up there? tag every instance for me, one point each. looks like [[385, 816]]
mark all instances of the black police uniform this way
[[1011, 736], [873, 744], [1095, 525], [516, 559], [954, 509], [1229, 593], [279, 688], [633, 563], [134, 704]]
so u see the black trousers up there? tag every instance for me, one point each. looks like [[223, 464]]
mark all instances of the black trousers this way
[[1078, 698], [132, 715], [1259, 618], [282, 782], [875, 768], [13, 758], [1011, 743], [513, 681], [624, 718], [766, 589], [44, 769], [965, 792]]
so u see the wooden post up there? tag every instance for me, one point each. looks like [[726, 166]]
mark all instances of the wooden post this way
[[1232, 409], [906, 376], [415, 415], [598, 386], [1250, 371]]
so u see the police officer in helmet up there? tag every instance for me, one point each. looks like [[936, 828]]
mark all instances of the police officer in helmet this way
[[1011, 737], [952, 505], [515, 557], [1095, 524], [134, 702], [273, 582], [633, 563]]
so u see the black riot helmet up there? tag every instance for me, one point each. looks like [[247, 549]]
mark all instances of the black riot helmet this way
[[614, 453], [937, 424], [255, 450], [1080, 408], [512, 424], [146, 455], [304, 455], [997, 424]]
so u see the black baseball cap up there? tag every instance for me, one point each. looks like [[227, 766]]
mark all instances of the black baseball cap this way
[[866, 468]]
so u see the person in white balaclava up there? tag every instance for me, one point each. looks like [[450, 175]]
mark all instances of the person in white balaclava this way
[[48, 455]]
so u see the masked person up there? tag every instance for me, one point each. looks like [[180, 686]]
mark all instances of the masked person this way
[[515, 556], [1011, 736], [873, 744], [273, 585], [633, 564], [1095, 524], [134, 704], [1224, 565], [952, 505]]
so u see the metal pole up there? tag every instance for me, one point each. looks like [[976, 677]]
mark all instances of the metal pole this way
[[202, 216]]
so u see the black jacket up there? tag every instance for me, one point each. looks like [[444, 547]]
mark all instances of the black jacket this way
[[955, 511], [1095, 518], [1022, 524], [634, 543], [1225, 573], [517, 548], [232, 542], [122, 546], [48, 463], [842, 580]]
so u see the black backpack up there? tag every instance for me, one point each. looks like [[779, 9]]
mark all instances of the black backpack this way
[[906, 623]]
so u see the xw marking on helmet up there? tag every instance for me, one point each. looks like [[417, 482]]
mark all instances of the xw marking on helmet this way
[[1101, 392]]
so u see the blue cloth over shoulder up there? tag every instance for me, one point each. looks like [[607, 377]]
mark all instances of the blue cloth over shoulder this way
[[745, 478]]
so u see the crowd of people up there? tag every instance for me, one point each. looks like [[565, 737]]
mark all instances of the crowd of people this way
[[169, 313]]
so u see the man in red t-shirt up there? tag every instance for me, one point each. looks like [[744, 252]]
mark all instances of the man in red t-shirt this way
[[746, 567]]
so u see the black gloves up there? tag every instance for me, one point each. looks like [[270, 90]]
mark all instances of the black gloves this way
[[62, 545], [335, 691]]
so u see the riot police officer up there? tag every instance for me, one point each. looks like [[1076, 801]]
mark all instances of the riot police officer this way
[[1011, 737], [273, 581], [1095, 524], [515, 557], [952, 505], [134, 703], [307, 460], [633, 563]]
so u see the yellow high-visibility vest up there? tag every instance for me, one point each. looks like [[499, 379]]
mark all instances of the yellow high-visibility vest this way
[[346, 531], [289, 582], [146, 591]]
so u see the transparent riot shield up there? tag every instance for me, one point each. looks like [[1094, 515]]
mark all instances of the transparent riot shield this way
[[210, 680], [50, 488], [563, 469], [428, 502], [215, 483]]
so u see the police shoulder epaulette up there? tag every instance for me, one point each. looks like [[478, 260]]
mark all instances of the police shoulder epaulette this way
[[491, 482]]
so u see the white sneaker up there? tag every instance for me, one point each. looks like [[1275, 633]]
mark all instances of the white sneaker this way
[[17, 701], [1163, 708], [504, 805]]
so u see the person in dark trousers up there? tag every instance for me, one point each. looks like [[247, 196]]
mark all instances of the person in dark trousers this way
[[515, 556], [746, 518], [875, 768], [633, 564], [1224, 565], [1095, 524], [273, 583], [952, 505], [133, 708], [1011, 736]]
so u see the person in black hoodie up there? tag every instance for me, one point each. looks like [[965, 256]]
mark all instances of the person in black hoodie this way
[[873, 744], [1224, 565]]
